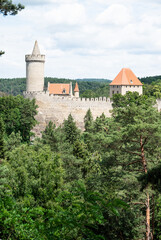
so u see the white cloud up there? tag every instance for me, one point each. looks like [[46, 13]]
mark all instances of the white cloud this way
[[84, 38], [71, 14], [115, 14], [44, 2], [63, 14]]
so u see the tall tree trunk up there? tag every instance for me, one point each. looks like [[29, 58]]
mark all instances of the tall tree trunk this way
[[144, 163], [153, 216], [148, 233]]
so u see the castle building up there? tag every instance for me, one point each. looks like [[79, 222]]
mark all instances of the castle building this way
[[124, 82], [35, 70], [60, 89], [63, 89], [35, 77], [59, 100]]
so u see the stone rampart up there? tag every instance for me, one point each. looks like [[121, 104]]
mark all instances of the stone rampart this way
[[56, 108]]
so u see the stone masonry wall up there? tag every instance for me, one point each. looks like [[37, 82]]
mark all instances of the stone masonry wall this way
[[56, 109]]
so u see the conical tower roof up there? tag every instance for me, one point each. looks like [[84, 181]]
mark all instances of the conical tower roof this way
[[36, 50], [126, 77], [76, 89]]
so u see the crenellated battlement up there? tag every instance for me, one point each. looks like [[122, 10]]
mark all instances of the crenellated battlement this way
[[50, 97], [35, 58]]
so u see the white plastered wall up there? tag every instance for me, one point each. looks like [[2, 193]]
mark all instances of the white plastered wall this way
[[124, 89]]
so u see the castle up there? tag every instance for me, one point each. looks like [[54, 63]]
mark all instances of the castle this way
[[59, 101]]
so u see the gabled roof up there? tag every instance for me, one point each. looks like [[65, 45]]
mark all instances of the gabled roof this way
[[76, 89], [126, 77], [58, 88], [36, 50]]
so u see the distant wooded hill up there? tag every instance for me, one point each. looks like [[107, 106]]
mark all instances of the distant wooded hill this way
[[149, 80], [152, 86], [89, 87]]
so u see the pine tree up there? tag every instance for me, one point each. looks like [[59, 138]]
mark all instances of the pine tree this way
[[49, 136], [2, 130], [137, 137], [71, 131], [88, 121]]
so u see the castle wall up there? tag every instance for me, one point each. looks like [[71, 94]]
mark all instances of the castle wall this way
[[56, 109]]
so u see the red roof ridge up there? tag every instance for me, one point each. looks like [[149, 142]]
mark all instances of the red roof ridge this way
[[126, 77]]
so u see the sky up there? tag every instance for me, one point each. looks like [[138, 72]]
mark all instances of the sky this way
[[84, 38]]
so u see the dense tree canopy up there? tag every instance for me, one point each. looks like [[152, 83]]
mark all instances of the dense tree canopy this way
[[18, 114], [96, 184]]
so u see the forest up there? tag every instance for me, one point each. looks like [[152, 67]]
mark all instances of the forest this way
[[89, 88], [102, 183]]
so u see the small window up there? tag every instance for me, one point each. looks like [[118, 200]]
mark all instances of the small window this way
[[117, 86], [134, 86], [113, 86], [126, 86], [112, 92], [131, 81], [117, 91], [64, 91], [138, 86], [130, 86]]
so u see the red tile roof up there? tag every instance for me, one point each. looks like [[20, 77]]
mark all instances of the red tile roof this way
[[76, 89], [126, 77], [58, 88]]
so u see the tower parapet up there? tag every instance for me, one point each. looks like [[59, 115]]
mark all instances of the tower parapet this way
[[35, 70]]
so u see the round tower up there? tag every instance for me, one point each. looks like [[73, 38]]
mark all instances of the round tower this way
[[35, 70]]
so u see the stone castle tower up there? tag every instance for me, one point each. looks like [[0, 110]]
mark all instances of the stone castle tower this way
[[35, 70]]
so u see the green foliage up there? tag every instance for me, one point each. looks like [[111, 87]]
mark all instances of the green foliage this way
[[12, 141], [157, 233], [16, 86], [35, 171], [2, 131], [153, 177], [152, 86], [49, 136], [7, 7], [1, 53], [88, 121], [71, 131], [80, 185], [101, 91], [18, 114], [149, 80]]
